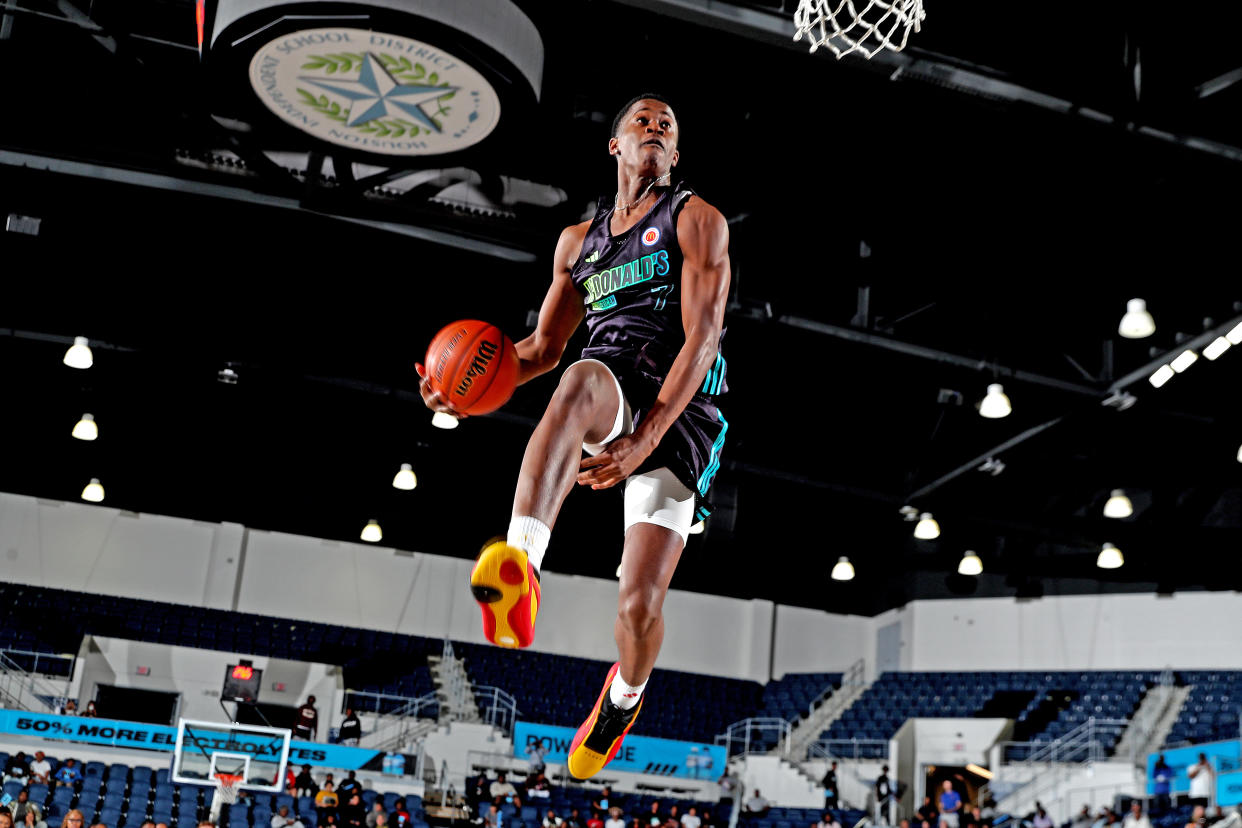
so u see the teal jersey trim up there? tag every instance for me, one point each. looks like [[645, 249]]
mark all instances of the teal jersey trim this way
[[713, 465], [711, 384]]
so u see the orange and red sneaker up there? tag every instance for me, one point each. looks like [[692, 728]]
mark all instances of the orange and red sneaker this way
[[506, 588], [600, 736]]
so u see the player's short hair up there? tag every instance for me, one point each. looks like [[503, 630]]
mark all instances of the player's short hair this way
[[625, 110]]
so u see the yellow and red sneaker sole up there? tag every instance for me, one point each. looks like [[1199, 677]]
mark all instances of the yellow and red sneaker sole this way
[[505, 587]]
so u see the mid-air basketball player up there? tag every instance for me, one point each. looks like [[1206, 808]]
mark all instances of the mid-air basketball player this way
[[650, 275]]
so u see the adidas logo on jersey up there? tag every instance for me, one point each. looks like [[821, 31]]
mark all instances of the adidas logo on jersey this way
[[594, 257]]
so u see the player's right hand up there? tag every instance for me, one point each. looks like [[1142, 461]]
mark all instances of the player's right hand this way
[[434, 399]]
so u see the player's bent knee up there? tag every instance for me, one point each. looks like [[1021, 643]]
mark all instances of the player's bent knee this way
[[640, 609], [584, 384]]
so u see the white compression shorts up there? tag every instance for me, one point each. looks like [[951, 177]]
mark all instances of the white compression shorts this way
[[655, 496]]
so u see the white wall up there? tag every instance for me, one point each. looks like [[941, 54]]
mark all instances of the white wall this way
[[97, 549]]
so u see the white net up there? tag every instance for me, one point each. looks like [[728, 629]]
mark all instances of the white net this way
[[227, 787], [866, 28]]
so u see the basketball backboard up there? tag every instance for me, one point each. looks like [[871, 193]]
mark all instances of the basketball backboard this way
[[205, 749]]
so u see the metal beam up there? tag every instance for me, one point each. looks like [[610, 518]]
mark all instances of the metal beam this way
[[160, 181], [973, 464], [914, 63]]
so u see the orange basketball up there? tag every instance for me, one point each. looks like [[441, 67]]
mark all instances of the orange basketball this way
[[473, 365]]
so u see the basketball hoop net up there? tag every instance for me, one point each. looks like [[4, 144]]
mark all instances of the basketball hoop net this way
[[228, 785], [844, 28]]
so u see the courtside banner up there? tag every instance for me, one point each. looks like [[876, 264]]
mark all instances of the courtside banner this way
[[1223, 756], [162, 737], [1229, 789], [638, 754]]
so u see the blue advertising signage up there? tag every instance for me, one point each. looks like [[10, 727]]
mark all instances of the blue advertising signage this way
[[638, 754], [162, 737], [1223, 756], [1229, 788]]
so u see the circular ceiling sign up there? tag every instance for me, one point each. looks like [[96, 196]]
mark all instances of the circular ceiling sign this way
[[374, 92]]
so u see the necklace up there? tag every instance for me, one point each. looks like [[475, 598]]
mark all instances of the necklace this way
[[617, 201]]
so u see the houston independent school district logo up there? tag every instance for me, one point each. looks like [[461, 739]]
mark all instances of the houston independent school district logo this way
[[651, 235], [374, 92]]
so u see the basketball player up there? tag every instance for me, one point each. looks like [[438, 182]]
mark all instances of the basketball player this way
[[650, 275]]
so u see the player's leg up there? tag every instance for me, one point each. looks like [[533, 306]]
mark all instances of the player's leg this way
[[659, 511], [587, 408]]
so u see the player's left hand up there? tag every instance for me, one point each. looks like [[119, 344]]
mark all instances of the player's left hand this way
[[614, 464]]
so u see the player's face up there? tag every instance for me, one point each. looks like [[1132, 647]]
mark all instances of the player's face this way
[[647, 138]]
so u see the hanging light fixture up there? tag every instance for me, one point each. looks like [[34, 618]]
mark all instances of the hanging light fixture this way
[[79, 354], [843, 570], [371, 533], [405, 479], [995, 405], [1110, 557], [1137, 323], [86, 429], [1183, 361], [927, 528], [1216, 347], [1235, 335], [1118, 505], [94, 491], [1163, 374], [970, 564], [444, 421]]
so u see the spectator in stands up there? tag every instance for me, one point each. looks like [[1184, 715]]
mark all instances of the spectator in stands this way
[[551, 820], [905, 823], [400, 817], [305, 784], [284, 819], [353, 813], [758, 806], [326, 802], [832, 796], [161, 825], [708, 822], [691, 818], [69, 774], [1136, 818], [928, 813], [1041, 820], [977, 818], [40, 770], [291, 781], [377, 811], [351, 728], [381, 820], [595, 820], [350, 786], [73, 819], [1200, 775], [672, 819], [988, 812], [21, 805], [574, 820], [602, 804], [654, 817], [1162, 783], [6, 817], [1198, 816], [90, 712], [538, 787], [614, 818], [493, 818], [728, 787], [535, 752], [307, 726], [32, 818], [828, 821], [950, 805], [883, 793], [502, 791], [70, 708], [16, 770]]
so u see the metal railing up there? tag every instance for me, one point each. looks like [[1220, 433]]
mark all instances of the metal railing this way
[[42, 663], [853, 677], [847, 749], [497, 707], [23, 690], [1085, 743], [755, 735], [391, 722]]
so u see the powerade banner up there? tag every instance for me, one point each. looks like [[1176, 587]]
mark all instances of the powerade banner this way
[[162, 737], [1223, 756], [638, 754]]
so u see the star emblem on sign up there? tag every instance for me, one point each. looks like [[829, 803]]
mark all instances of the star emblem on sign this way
[[376, 94]]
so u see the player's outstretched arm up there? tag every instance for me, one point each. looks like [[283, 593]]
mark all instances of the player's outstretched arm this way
[[703, 235], [561, 313]]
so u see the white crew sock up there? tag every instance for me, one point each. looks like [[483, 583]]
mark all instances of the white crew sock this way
[[625, 695], [531, 535]]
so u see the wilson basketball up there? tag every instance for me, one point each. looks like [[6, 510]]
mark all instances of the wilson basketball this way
[[473, 365]]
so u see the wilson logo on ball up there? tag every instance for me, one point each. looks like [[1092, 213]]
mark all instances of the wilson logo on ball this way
[[478, 366]]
